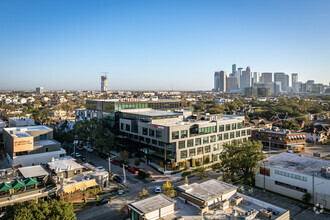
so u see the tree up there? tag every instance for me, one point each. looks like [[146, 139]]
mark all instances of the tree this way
[[137, 162], [143, 194], [306, 197], [240, 159], [168, 189], [42, 210], [124, 156], [186, 181]]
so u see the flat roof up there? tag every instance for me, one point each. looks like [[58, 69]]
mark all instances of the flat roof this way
[[23, 131], [208, 189], [65, 163], [45, 142], [148, 112], [297, 163], [280, 131], [33, 171], [134, 100], [152, 203]]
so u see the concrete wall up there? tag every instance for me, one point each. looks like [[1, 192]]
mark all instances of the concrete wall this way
[[29, 160]]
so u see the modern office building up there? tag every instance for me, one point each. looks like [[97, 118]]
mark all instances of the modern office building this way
[[309, 85], [40, 90], [239, 75], [255, 79], [296, 87], [223, 82], [294, 176], [216, 82], [2, 125], [20, 122], [231, 83], [83, 114], [31, 145], [280, 77], [246, 79], [104, 83], [267, 77], [233, 70], [286, 83], [186, 137], [294, 78]]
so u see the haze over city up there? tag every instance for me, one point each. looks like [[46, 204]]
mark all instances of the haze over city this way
[[146, 45]]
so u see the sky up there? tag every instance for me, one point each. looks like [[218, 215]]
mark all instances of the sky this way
[[158, 45]]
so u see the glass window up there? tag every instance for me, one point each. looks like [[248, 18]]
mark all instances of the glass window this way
[[232, 135], [243, 132], [198, 141], [207, 149], [154, 142], [192, 152], [213, 139], [145, 131], [184, 134], [225, 137], [128, 127], [233, 126], [182, 144], [183, 154], [199, 150], [205, 140], [219, 137], [221, 128], [43, 137], [175, 135], [159, 134], [248, 131], [151, 132], [238, 133], [216, 147], [240, 125], [190, 143], [228, 127]]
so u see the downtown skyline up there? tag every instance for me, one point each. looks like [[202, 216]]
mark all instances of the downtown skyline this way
[[150, 45]]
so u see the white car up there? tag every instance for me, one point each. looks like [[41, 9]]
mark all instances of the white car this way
[[90, 149], [289, 151], [85, 147], [100, 168], [77, 155], [158, 189]]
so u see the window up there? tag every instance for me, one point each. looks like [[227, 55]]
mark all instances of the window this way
[[215, 157], [205, 140], [225, 137], [228, 127], [141, 138], [289, 186], [243, 133], [43, 137], [207, 130], [221, 128], [192, 152], [233, 126], [198, 141], [199, 150], [154, 142], [213, 139], [151, 132], [248, 131], [216, 147], [183, 154], [291, 175], [182, 144], [219, 137], [128, 127], [238, 133], [240, 125], [159, 134], [190, 143], [207, 149], [175, 135], [184, 134], [232, 135], [145, 131], [121, 126]]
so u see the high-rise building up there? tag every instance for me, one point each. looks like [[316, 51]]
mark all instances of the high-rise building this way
[[239, 74], [216, 81], [277, 87], [309, 85], [255, 78], [40, 90], [267, 77], [233, 70], [294, 77], [286, 82], [104, 83], [279, 77], [223, 81], [231, 83], [246, 78]]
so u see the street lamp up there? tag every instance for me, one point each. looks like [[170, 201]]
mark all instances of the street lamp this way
[[269, 146]]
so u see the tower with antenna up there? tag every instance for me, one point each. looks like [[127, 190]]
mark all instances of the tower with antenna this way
[[104, 82]]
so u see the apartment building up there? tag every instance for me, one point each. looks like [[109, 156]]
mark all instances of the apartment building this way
[[178, 136], [31, 145], [20, 122]]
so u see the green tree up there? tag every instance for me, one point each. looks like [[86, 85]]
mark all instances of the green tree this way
[[168, 189], [124, 156], [137, 162], [306, 197], [240, 159], [186, 181], [143, 194]]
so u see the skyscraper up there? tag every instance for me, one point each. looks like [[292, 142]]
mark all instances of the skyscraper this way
[[216, 81], [279, 77], [267, 77], [294, 78], [286, 82], [239, 74], [231, 83], [255, 78], [246, 78], [233, 70], [40, 90], [223, 81], [104, 83]]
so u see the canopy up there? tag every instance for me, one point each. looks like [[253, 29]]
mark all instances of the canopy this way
[[30, 181], [83, 185], [17, 184], [4, 187]]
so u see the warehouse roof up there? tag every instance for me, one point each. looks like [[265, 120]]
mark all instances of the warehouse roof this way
[[151, 204]]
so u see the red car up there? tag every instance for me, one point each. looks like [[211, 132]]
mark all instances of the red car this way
[[115, 162], [133, 170]]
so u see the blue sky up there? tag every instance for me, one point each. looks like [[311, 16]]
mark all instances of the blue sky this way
[[146, 45]]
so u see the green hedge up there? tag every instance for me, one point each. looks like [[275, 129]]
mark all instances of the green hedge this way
[[187, 173], [176, 171], [162, 172]]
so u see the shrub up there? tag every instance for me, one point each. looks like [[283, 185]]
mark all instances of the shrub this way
[[162, 172], [137, 162], [198, 163]]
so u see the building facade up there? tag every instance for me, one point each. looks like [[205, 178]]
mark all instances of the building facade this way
[[104, 83]]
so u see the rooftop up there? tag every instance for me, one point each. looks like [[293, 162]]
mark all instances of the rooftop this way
[[64, 163], [45, 142], [207, 190], [33, 171], [297, 163], [135, 100], [280, 131], [148, 112], [17, 119], [152, 203], [23, 131]]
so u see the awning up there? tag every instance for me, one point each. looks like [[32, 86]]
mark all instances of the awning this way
[[79, 186], [30, 181], [17, 184], [4, 187]]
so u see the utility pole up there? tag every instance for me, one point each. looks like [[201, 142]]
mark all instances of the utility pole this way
[[269, 147], [109, 166], [124, 174]]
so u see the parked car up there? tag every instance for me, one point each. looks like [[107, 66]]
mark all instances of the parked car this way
[[158, 189], [133, 170], [289, 151], [144, 173], [103, 201], [91, 163], [91, 150], [77, 155], [80, 147], [100, 168], [115, 162], [103, 155], [117, 179]]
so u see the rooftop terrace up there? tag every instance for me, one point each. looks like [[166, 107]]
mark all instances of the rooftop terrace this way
[[24, 131]]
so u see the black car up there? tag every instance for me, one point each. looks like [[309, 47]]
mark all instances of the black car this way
[[103, 155], [117, 179], [91, 163], [103, 201]]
